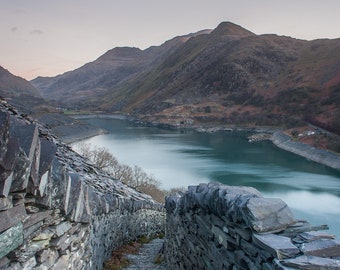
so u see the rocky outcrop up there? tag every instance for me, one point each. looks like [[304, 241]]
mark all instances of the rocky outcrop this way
[[57, 211], [318, 155], [213, 226]]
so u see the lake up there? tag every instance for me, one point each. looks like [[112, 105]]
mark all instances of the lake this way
[[178, 158]]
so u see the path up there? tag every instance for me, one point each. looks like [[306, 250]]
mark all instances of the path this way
[[146, 256]]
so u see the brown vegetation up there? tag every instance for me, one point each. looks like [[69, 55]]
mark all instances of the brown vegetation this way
[[315, 137], [118, 259]]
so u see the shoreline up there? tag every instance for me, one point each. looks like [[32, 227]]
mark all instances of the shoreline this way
[[320, 156], [278, 138]]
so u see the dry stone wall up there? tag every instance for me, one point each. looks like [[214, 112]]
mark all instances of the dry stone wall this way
[[56, 210], [213, 226]]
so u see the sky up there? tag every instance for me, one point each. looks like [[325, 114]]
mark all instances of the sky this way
[[50, 37]]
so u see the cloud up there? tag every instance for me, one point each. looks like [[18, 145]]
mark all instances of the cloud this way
[[14, 29], [36, 32]]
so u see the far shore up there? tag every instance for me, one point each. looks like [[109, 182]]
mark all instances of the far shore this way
[[278, 138]]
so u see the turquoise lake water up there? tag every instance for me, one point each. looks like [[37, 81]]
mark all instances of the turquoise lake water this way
[[181, 158]]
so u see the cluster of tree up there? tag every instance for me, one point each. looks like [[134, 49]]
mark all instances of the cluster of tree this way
[[134, 177]]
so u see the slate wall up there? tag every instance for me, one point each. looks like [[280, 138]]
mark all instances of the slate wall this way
[[56, 210], [213, 226]]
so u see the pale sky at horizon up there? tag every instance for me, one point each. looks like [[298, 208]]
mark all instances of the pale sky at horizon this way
[[47, 38]]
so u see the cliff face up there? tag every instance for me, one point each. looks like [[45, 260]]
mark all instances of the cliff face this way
[[56, 210], [227, 76]]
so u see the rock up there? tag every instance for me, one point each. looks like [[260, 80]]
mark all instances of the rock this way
[[18, 198], [4, 263], [10, 154], [27, 135], [48, 151], [47, 234], [322, 248], [268, 215], [45, 178], [5, 203], [37, 217], [312, 263], [5, 185], [62, 262], [30, 209], [58, 184], [11, 239], [47, 257], [279, 246], [33, 182], [72, 193], [12, 217], [21, 172], [29, 250], [314, 235], [29, 264], [61, 228]]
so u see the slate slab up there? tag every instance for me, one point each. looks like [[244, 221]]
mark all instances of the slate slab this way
[[315, 235], [267, 214], [5, 185], [322, 248], [37, 217], [12, 217], [312, 263], [21, 172], [279, 246], [10, 154], [11, 239], [47, 152], [27, 136]]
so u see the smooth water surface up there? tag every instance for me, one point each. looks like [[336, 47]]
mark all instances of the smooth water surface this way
[[181, 158]]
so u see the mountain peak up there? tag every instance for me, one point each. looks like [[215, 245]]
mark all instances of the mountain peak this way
[[119, 52], [231, 29]]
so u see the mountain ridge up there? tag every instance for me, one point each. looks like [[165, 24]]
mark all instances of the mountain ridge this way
[[224, 76]]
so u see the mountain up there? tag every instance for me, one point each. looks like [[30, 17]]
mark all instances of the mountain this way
[[13, 86], [92, 81], [225, 76], [19, 92]]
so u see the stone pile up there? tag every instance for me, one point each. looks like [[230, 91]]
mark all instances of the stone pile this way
[[57, 211], [213, 226]]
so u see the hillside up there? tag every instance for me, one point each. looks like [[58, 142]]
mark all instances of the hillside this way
[[14, 86], [227, 76], [20, 93], [91, 82]]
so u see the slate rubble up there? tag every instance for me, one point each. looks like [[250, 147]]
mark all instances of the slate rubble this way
[[213, 226], [57, 211]]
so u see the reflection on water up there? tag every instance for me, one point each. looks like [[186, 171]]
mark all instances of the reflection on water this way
[[182, 158]]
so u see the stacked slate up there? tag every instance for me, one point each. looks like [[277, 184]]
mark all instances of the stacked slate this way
[[57, 211], [213, 226]]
